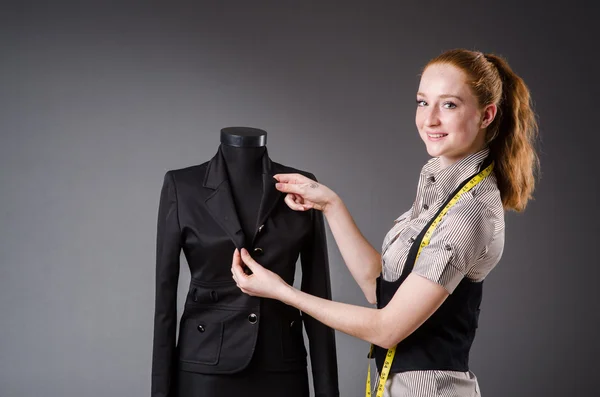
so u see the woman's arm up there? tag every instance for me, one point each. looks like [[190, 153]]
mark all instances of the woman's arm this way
[[414, 302], [362, 259]]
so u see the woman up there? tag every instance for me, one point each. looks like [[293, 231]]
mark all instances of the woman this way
[[475, 117]]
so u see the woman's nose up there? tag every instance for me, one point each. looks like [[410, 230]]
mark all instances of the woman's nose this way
[[432, 117]]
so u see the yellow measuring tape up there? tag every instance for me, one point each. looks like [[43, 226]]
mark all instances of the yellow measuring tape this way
[[389, 357]]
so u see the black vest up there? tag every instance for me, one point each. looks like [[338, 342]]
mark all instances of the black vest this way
[[444, 340]]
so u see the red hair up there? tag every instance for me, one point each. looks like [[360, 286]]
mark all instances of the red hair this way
[[512, 133]]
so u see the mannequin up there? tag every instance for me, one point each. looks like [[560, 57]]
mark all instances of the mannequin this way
[[230, 343]]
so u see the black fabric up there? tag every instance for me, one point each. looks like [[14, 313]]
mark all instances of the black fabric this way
[[443, 341], [250, 382], [222, 329]]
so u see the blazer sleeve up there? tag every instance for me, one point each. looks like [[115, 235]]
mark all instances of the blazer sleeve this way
[[315, 281], [168, 248]]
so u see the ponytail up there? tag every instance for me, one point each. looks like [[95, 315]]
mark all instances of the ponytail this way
[[511, 138]]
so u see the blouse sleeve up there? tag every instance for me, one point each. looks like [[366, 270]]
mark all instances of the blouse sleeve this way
[[456, 244]]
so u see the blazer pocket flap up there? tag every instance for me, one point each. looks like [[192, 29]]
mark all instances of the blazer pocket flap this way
[[200, 341]]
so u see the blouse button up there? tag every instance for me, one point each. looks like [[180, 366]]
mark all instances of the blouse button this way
[[431, 179], [411, 240], [425, 206]]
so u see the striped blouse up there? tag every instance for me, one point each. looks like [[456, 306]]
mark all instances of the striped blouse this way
[[473, 227]]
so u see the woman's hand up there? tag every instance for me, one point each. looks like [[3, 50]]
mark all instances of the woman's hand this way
[[304, 193], [262, 282]]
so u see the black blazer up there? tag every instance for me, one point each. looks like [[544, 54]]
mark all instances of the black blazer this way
[[222, 328]]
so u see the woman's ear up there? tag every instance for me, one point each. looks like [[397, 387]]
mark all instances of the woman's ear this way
[[489, 113]]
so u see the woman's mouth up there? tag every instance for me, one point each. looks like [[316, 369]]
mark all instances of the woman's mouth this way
[[436, 137]]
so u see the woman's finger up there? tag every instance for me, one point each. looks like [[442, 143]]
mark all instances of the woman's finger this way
[[296, 188], [238, 276], [289, 200], [236, 268], [249, 261], [235, 260], [298, 199], [293, 178], [233, 274]]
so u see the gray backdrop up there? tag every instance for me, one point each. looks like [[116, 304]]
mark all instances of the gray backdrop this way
[[98, 101]]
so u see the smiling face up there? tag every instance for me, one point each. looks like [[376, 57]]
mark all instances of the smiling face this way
[[449, 118]]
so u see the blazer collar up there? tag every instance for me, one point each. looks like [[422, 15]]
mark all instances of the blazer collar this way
[[221, 205]]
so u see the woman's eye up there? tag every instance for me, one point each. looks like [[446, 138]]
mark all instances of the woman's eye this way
[[421, 102], [449, 105]]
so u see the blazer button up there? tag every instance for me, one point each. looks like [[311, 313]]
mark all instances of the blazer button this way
[[425, 206], [260, 228], [252, 318], [258, 251], [201, 328], [411, 240], [431, 179]]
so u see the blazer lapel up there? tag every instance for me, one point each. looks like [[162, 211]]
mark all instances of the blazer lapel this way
[[220, 204], [270, 194]]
